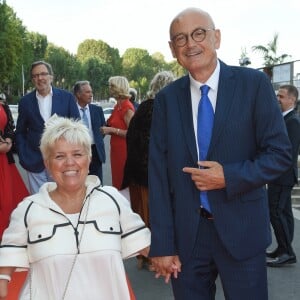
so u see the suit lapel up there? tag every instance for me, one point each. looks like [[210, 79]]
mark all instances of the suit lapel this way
[[92, 112], [289, 115], [186, 115], [225, 100], [55, 101]]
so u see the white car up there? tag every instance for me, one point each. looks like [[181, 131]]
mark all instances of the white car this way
[[14, 111], [107, 112]]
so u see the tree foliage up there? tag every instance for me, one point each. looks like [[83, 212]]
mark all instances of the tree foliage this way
[[65, 66], [97, 72], [269, 52], [101, 50], [11, 44], [140, 67], [39, 44]]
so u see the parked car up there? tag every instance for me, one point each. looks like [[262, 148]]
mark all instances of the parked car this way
[[14, 111], [107, 112]]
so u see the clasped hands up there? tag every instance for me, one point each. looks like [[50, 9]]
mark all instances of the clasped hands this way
[[163, 266], [209, 175], [166, 266]]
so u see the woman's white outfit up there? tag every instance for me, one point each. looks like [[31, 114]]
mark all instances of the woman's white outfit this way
[[42, 237]]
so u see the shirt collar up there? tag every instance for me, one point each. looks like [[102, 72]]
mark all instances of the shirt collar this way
[[212, 81], [287, 111], [38, 95], [84, 107]]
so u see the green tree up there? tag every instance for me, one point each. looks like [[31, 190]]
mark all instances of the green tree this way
[[97, 72], [139, 67], [65, 66], [97, 48], [11, 46], [176, 69], [39, 44], [34, 48]]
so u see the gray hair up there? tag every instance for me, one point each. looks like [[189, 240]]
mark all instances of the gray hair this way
[[41, 62], [73, 131], [160, 80], [133, 93], [78, 85]]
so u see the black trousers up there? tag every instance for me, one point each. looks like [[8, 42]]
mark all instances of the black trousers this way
[[96, 164], [281, 216]]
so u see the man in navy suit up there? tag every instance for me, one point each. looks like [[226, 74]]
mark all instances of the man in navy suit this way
[[35, 109], [94, 120], [280, 190], [248, 148]]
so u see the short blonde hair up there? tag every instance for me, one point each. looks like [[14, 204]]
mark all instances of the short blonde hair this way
[[73, 131], [159, 81], [119, 87]]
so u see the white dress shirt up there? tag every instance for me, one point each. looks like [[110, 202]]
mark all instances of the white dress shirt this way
[[88, 115], [45, 105], [212, 82]]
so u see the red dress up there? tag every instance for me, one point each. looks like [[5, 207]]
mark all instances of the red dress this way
[[118, 151], [12, 187]]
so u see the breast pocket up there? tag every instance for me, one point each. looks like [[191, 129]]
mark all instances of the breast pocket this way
[[43, 233], [108, 225]]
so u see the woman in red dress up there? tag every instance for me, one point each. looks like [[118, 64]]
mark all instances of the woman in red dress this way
[[117, 126], [12, 187]]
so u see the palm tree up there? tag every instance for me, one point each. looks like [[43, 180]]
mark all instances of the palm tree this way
[[269, 53]]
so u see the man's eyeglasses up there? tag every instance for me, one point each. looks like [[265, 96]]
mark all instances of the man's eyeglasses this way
[[198, 35], [37, 75]]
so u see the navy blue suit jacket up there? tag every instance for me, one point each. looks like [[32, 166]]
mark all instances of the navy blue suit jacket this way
[[30, 126], [249, 139], [98, 120]]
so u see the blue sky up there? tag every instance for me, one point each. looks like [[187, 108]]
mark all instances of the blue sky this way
[[145, 24]]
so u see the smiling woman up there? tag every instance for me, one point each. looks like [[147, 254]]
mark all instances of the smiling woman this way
[[72, 221]]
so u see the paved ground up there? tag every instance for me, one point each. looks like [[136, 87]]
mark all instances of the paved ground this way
[[284, 283]]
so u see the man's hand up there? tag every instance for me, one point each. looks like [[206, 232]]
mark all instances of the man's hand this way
[[209, 177]]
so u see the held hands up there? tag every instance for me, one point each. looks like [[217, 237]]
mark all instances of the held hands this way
[[209, 177], [166, 266]]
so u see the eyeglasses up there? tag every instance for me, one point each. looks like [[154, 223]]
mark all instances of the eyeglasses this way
[[37, 75], [198, 35]]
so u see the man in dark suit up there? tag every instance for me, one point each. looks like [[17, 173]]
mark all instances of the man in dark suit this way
[[280, 190], [249, 147], [35, 109], [92, 115]]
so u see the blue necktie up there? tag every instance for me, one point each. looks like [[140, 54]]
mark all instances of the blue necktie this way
[[204, 131], [84, 117]]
